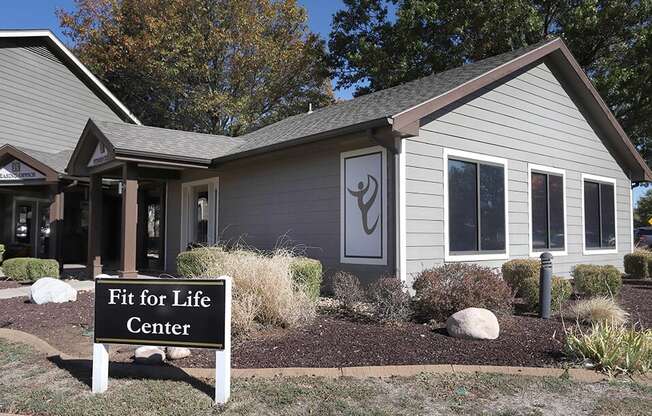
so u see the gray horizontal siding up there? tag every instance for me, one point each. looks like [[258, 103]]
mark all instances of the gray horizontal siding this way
[[529, 119], [290, 197], [43, 105]]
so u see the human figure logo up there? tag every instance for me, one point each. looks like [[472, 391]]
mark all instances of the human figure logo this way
[[366, 206]]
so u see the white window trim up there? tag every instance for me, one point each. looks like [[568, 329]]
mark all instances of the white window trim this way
[[213, 200], [474, 157], [599, 179], [361, 260], [555, 171]]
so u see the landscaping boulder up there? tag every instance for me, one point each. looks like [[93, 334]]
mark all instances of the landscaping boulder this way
[[49, 290], [149, 355], [177, 353], [473, 323]]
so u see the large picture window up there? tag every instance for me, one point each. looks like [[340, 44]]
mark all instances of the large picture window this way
[[547, 210], [599, 201], [476, 206]]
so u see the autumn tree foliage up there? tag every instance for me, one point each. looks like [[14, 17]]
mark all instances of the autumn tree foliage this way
[[212, 66]]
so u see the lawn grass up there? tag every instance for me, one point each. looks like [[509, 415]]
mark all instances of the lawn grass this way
[[29, 384]]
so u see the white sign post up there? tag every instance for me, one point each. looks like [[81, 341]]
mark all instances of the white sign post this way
[[100, 380], [223, 357]]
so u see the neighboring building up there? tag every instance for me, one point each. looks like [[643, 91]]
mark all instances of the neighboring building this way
[[46, 98], [504, 158]]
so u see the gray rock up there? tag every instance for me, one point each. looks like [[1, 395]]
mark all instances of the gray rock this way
[[50, 290], [177, 353], [473, 323], [149, 355]]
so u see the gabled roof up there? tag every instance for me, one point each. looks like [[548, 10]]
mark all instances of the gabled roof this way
[[400, 108], [68, 56], [403, 106], [51, 175]]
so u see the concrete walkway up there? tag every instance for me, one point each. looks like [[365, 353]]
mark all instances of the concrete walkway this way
[[16, 292]]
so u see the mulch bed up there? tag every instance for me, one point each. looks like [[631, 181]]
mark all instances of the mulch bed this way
[[331, 340], [8, 284]]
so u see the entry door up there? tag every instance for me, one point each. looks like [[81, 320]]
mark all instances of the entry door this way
[[199, 217], [32, 226], [151, 226]]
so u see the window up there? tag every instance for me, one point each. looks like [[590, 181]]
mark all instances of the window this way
[[547, 210], [599, 209], [200, 211], [476, 202]]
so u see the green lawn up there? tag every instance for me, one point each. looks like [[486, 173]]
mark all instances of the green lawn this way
[[29, 384]]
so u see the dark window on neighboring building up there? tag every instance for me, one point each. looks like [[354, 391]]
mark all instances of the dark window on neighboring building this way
[[476, 206], [599, 215], [547, 199]]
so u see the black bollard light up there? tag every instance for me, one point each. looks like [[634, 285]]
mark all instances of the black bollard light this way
[[545, 285]]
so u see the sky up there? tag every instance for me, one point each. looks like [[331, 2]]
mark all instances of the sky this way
[[39, 14]]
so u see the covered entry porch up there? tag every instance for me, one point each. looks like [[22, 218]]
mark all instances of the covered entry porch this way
[[128, 211]]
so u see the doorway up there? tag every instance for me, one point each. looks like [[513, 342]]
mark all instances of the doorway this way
[[150, 245], [31, 226]]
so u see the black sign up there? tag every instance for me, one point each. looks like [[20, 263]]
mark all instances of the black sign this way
[[171, 312]]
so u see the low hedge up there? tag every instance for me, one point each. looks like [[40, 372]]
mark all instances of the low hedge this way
[[518, 272], [593, 280], [637, 264], [307, 273], [560, 293], [28, 269], [195, 262]]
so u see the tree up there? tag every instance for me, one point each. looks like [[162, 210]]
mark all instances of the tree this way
[[212, 66], [643, 210], [611, 39]]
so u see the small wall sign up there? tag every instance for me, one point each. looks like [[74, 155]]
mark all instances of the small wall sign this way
[[17, 170], [164, 312]]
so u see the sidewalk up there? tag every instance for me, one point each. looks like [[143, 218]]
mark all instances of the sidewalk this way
[[80, 285]]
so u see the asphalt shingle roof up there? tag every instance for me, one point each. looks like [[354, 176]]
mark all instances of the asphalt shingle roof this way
[[377, 105], [166, 142], [364, 109], [57, 161]]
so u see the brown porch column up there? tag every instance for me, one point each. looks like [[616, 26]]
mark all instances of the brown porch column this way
[[129, 222], [95, 226], [56, 223]]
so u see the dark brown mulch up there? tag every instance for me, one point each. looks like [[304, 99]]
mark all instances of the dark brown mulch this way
[[637, 300], [8, 284], [330, 341]]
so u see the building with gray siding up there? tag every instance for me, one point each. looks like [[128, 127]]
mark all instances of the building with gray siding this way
[[46, 98], [503, 158]]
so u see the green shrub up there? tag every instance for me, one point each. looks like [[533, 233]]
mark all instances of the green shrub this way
[[444, 290], [390, 300], [592, 280], [637, 264], [27, 269], [196, 262], [612, 348], [561, 291], [2, 251], [518, 271], [307, 273]]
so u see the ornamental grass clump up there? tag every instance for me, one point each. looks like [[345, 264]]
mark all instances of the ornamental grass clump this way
[[265, 292], [599, 310], [612, 348]]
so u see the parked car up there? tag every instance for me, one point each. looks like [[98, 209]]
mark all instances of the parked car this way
[[643, 237]]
